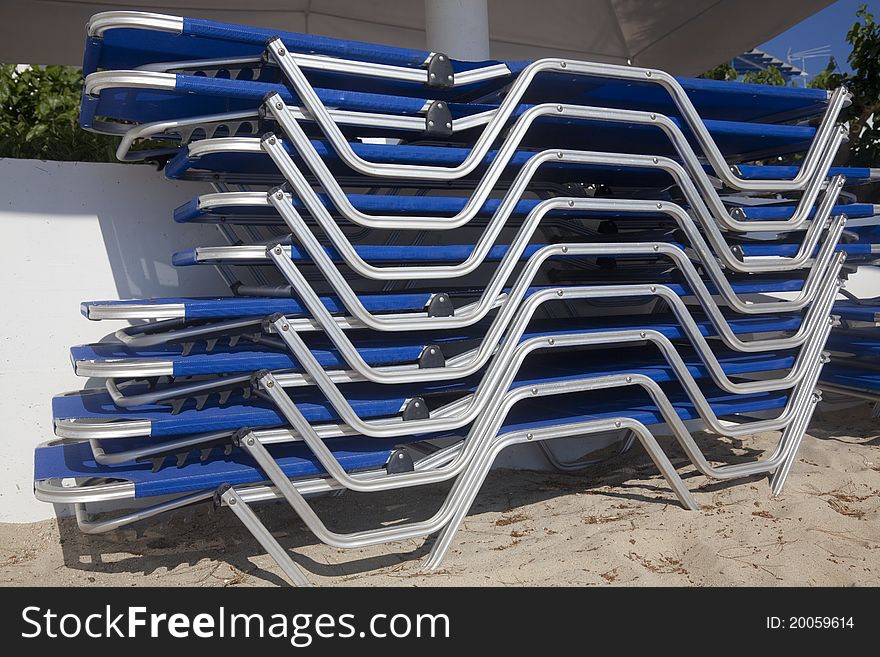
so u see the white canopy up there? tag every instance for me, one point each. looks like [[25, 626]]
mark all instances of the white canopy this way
[[681, 36]]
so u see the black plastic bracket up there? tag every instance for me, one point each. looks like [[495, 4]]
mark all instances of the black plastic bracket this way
[[438, 119], [737, 252], [218, 495], [431, 356], [440, 74], [266, 324], [440, 305], [256, 386], [415, 409], [400, 461], [238, 436], [159, 161]]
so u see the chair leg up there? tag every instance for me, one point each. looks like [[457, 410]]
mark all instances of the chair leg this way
[[480, 470], [794, 434], [249, 519]]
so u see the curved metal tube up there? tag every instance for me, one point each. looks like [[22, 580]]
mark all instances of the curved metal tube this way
[[316, 165], [478, 310], [507, 364], [309, 98], [478, 444], [508, 263], [466, 491], [316, 209]]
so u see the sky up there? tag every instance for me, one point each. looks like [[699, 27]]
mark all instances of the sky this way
[[825, 28]]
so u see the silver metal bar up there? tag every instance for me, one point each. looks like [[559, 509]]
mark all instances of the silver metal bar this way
[[794, 436], [109, 20], [517, 189], [250, 520], [494, 382], [476, 359], [341, 286], [479, 310], [310, 99], [319, 169]]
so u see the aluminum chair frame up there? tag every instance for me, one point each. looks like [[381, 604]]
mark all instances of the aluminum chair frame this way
[[292, 492], [475, 312], [459, 413], [839, 99], [104, 21], [468, 482], [513, 314], [304, 147], [515, 192], [524, 234]]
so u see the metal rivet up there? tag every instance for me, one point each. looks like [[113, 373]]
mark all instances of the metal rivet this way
[[231, 501], [653, 117], [433, 75], [431, 124], [441, 58], [281, 52], [659, 206], [400, 456], [270, 384], [571, 204], [559, 154], [432, 351], [559, 293], [417, 405], [563, 64], [272, 140], [279, 105], [534, 391], [559, 108], [448, 124], [656, 248], [279, 194], [617, 424], [642, 334], [629, 379], [449, 77], [648, 73], [654, 160], [250, 441], [285, 327], [551, 341], [565, 249], [653, 288], [529, 436], [278, 250]]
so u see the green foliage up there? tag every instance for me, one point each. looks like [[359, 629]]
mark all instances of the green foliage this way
[[723, 71], [769, 75], [864, 83], [39, 107], [864, 37], [829, 78]]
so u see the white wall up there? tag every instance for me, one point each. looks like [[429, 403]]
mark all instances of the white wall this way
[[74, 232]]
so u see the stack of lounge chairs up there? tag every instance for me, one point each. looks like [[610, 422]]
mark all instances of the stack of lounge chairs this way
[[854, 346], [431, 260]]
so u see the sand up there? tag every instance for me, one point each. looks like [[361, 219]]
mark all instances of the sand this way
[[617, 524]]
